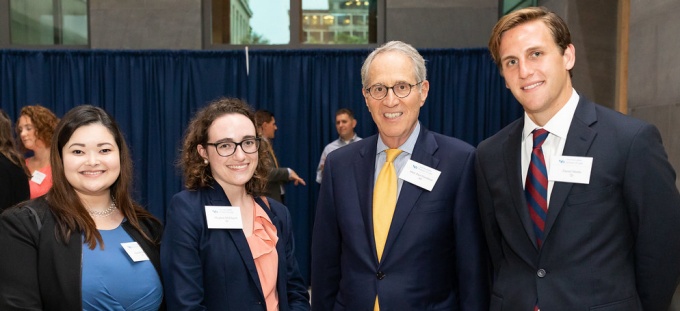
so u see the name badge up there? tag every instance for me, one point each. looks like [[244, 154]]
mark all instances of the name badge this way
[[38, 177], [571, 169], [420, 175], [223, 217], [135, 251]]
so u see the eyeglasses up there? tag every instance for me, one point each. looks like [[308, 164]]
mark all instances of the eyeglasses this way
[[401, 90], [227, 148]]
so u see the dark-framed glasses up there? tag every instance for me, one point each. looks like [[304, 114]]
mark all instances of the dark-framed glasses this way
[[227, 148], [401, 90]]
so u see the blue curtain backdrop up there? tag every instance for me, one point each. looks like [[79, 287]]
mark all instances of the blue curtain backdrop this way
[[153, 95]]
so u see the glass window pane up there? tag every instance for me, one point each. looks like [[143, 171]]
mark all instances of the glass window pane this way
[[339, 21], [32, 22], [74, 22], [250, 21]]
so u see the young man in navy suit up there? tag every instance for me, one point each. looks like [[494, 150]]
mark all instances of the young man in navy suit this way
[[426, 251], [600, 231]]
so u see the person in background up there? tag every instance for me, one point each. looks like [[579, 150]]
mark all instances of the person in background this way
[[14, 181], [278, 176], [226, 247], [345, 124], [578, 202], [86, 245], [410, 243], [35, 128]]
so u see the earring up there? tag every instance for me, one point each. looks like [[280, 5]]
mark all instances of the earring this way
[[205, 161]]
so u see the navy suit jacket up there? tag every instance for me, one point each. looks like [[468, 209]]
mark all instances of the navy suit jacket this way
[[434, 257], [612, 244], [213, 269]]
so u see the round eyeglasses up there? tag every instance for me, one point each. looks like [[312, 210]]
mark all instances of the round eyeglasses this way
[[401, 90], [227, 148]]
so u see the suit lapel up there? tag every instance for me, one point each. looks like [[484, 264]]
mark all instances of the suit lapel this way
[[423, 152], [579, 140], [217, 197], [512, 149], [364, 171]]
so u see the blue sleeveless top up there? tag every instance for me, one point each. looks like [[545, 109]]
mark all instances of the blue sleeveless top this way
[[112, 281]]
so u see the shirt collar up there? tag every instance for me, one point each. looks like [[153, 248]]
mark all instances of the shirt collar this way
[[407, 146], [351, 140], [559, 124]]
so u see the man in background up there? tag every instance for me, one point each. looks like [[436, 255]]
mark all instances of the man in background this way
[[278, 176], [345, 124], [578, 202]]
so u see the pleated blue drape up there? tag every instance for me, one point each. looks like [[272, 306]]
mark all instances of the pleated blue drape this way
[[153, 95]]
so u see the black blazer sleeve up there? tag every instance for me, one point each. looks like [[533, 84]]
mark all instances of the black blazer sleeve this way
[[19, 261], [13, 184]]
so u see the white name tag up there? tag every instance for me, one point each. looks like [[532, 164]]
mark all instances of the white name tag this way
[[38, 177], [571, 169], [135, 251], [223, 217], [420, 175]]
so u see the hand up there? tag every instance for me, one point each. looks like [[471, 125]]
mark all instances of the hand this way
[[293, 176]]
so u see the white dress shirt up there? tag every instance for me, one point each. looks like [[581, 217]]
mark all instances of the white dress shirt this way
[[558, 126]]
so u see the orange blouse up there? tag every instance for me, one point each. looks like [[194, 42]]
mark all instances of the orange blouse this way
[[38, 189], [262, 244]]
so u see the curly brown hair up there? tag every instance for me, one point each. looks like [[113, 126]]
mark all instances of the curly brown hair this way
[[44, 121], [197, 173]]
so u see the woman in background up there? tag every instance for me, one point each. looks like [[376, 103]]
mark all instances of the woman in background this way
[[86, 245], [35, 128], [14, 181], [225, 247]]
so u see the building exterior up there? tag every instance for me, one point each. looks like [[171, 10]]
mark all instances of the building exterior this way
[[345, 22]]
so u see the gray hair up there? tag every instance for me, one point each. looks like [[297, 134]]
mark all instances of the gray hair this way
[[419, 70]]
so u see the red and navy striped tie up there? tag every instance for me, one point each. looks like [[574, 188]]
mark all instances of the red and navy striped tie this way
[[536, 188]]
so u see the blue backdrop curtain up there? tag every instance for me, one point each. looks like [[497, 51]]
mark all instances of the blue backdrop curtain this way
[[153, 95]]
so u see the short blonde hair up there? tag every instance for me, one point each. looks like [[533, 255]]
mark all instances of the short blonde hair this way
[[556, 24]]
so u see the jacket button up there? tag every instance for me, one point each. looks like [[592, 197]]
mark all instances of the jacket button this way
[[380, 275], [540, 273]]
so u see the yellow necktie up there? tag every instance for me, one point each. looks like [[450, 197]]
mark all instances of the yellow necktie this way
[[384, 203], [384, 200]]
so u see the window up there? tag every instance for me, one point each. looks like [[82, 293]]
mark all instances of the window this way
[[341, 21], [294, 23], [250, 22], [48, 22]]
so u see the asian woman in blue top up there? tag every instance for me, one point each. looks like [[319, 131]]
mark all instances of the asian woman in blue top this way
[[86, 245]]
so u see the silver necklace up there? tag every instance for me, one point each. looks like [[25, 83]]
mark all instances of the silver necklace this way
[[105, 213]]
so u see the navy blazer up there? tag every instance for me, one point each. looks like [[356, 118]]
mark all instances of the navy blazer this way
[[213, 269], [434, 257], [611, 244]]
